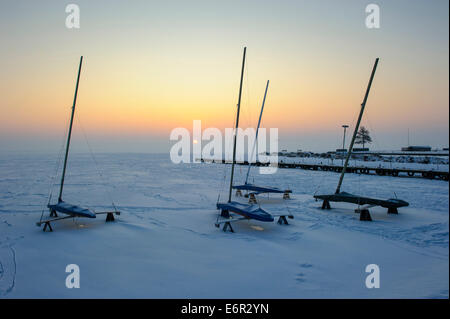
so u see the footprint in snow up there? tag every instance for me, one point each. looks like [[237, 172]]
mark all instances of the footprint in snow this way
[[315, 226], [7, 224], [7, 269], [300, 277], [295, 236]]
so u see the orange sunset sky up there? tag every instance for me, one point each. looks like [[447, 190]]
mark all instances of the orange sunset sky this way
[[150, 67]]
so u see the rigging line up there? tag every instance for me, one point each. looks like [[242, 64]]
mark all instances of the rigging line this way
[[287, 207], [222, 183], [353, 124], [373, 134], [96, 164], [57, 166], [324, 176], [359, 187], [273, 179], [255, 146], [99, 172], [224, 157], [224, 169], [274, 182]]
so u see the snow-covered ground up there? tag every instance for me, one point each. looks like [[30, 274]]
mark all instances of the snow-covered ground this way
[[165, 245]]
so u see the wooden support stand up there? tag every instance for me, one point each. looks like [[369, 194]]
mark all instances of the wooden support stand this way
[[239, 193], [53, 213], [326, 205], [109, 217], [224, 213], [364, 214], [392, 210], [286, 195], [226, 226], [47, 224], [252, 198], [282, 220]]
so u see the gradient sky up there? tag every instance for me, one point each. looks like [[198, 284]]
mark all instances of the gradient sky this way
[[151, 66]]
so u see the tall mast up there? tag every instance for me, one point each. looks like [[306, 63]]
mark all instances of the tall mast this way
[[237, 125], [257, 130], [350, 148], [70, 132]]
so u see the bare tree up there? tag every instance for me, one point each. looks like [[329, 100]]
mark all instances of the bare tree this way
[[363, 136]]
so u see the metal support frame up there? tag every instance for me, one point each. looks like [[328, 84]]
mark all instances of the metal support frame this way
[[225, 213], [364, 214], [326, 204], [392, 210], [109, 217], [282, 220], [226, 226], [47, 224]]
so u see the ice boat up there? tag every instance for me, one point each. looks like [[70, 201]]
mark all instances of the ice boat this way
[[391, 204], [245, 211], [61, 206]]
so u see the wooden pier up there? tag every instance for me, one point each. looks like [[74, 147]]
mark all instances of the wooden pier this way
[[381, 171]]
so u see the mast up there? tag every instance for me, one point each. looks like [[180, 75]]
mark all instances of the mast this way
[[70, 132], [257, 130], [237, 124], [350, 148]]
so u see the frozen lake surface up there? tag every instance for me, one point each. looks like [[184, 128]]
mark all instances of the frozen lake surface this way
[[165, 245]]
